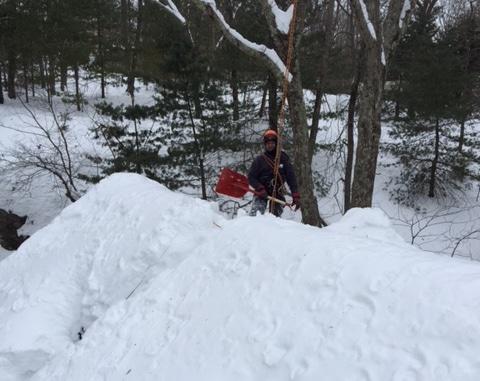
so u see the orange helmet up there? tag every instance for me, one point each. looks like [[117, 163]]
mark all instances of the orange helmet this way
[[270, 135]]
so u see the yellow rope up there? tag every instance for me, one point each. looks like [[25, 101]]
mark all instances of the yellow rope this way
[[281, 118]]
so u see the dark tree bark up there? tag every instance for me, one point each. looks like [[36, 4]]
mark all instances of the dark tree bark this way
[[4, 72], [9, 224], [272, 102], [261, 112], [25, 82], [303, 168], [100, 49], [197, 103], [77, 87], [369, 130], [63, 77], [461, 140], [32, 77], [124, 11], [198, 149], [234, 85], [51, 76], [134, 52], [12, 70], [325, 46], [43, 82], [352, 103]]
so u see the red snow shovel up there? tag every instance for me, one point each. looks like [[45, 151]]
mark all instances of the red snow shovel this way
[[234, 184]]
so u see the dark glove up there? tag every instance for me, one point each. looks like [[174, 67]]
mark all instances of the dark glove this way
[[261, 192], [296, 200]]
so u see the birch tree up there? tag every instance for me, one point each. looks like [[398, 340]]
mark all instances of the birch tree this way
[[379, 29]]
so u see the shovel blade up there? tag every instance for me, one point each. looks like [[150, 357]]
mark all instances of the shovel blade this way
[[232, 184]]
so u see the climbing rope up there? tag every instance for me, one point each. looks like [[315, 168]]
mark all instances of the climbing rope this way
[[281, 118]]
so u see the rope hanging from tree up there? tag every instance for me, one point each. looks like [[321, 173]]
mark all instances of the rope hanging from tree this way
[[281, 118]]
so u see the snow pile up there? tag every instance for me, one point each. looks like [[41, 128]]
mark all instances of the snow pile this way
[[168, 290]]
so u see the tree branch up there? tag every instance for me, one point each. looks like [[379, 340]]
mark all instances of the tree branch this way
[[267, 56]]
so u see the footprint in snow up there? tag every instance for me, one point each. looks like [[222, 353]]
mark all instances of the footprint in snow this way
[[273, 354], [408, 374], [365, 308]]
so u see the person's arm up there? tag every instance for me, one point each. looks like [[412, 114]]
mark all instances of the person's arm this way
[[289, 174], [292, 182], [253, 175]]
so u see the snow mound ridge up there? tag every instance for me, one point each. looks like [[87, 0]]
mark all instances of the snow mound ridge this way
[[94, 255], [169, 290], [367, 223]]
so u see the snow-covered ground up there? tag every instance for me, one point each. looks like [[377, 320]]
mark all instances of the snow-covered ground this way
[[168, 289], [438, 228]]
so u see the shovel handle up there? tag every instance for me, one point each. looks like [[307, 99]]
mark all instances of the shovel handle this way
[[278, 201], [281, 202]]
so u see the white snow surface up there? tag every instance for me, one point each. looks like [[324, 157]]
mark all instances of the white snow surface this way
[[167, 289], [282, 18]]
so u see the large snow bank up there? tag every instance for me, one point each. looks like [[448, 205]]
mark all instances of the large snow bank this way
[[169, 290]]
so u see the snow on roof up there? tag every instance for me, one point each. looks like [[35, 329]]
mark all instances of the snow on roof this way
[[168, 289]]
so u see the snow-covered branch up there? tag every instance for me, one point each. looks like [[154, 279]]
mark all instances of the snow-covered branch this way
[[407, 5], [170, 7], [282, 18], [269, 56], [366, 19]]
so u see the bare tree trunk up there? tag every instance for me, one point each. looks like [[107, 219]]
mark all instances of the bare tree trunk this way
[[43, 82], [461, 140], [199, 151], [369, 130], [325, 47], [124, 7], [134, 51], [63, 77], [350, 137], [100, 47], [272, 102], [197, 104], [12, 69], [397, 101], [77, 88], [25, 82], [433, 170], [234, 84], [264, 100], [310, 213], [5, 81], [51, 76], [380, 40], [32, 76]]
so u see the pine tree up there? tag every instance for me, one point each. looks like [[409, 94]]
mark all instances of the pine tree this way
[[432, 94]]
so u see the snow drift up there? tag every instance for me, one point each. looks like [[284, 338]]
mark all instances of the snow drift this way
[[167, 289]]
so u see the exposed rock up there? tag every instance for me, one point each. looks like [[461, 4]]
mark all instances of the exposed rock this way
[[9, 224]]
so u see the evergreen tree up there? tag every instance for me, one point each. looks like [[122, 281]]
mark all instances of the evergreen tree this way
[[431, 93]]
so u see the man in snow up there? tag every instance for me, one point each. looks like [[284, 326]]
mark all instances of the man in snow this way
[[261, 177]]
